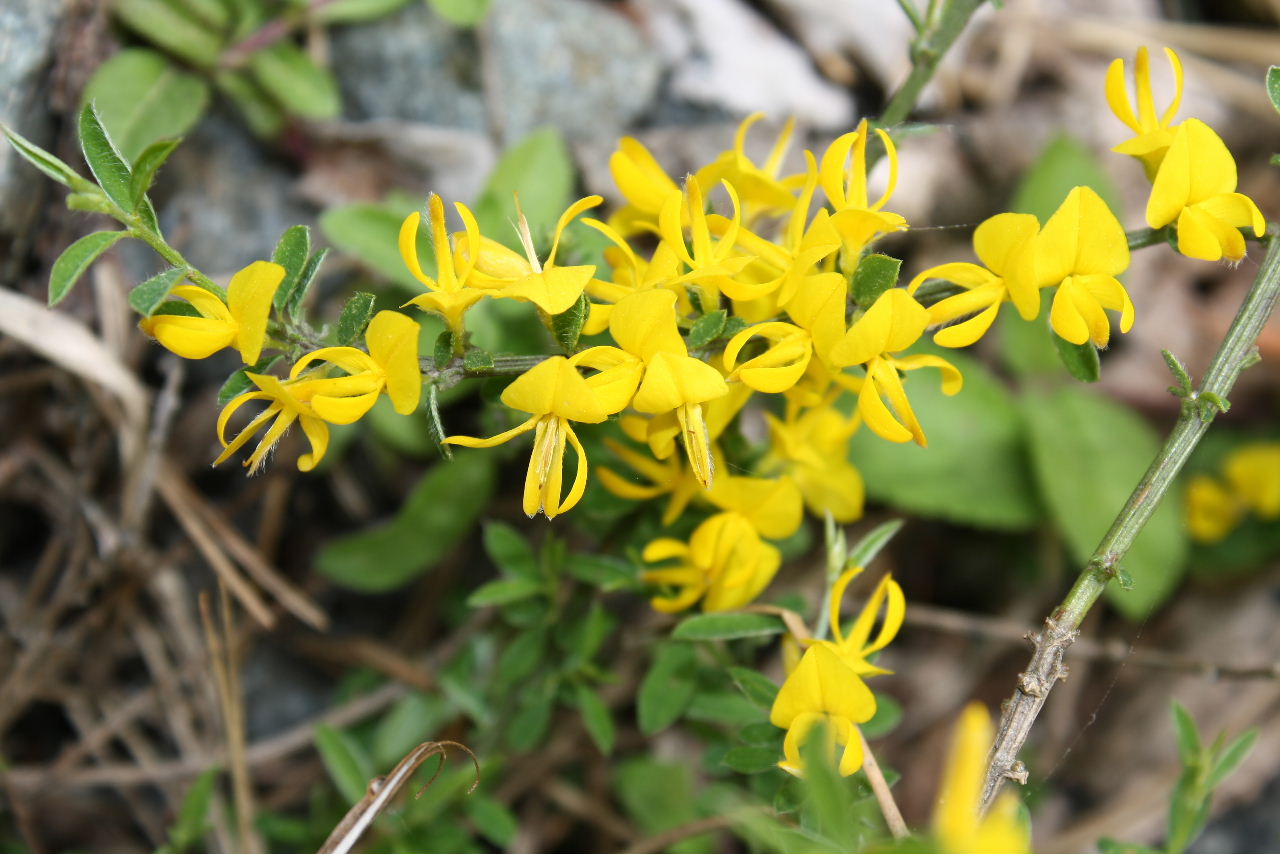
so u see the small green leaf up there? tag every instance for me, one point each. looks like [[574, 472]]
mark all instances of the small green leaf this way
[[354, 318], [300, 86], [602, 571], [1227, 761], [148, 296], [875, 275], [346, 762], [596, 718], [477, 360], [875, 540], [355, 11], [104, 159], [238, 383], [668, 687], [521, 657], [727, 626], [1273, 86], [540, 170], [508, 548], [433, 422], [75, 259], [368, 233], [193, 816], [165, 24], [529, 725], [567, 325], [751, 759], [461, 13], [707, 329], [291, 253], [43, 160], [1081, 360], [732, 326], [177, 308], [887, 717], [147, 165], [755, 686], [142, 98], [442, 353], [260, 113], [503, 592], [432, 520], [724, 707], [492, 820], [306, 280]]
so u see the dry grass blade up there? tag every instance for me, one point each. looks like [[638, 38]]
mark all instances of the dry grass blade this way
[[382, 789]]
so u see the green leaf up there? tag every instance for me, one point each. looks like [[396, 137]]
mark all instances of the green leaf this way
[[510, 551], [707, 329], [461, 13], [143, 98], [238, 383], [148, 296], [368, 233], [751, 759], [975, 469], [260, 113], [492, 820], [433, 422], [887, 717], [727, 626], [299, 85], [755, 686], [1273, 86], [193, 816], [354, 11], [291, 253], [305, 281], [43, 160], [1065, 162], [432, 520], [1184, 727], [503, 592], [415, 718], [602, 571], [1088, 453], [540, 170], [668, 687], [521, 657], [165, 24], [529, 725], [442, 353], [104, 159], [875, 540], [567, 325], [1227, 761], [354, 318], [724, 707], [346, 762], [146, 166], [477, 360], [1081, 360], [75, 259], [596, 718], [658, 796], [875, 275]]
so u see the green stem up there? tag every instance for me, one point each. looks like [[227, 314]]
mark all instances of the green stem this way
[[140, 230], [1141, 238], [1237, 352], [927, 51], [913, 14]]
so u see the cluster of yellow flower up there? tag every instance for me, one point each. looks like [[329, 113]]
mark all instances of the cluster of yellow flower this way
[[1250, 482]]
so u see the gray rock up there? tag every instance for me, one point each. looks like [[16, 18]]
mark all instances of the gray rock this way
[[576, 65], [409, 65], [27, 29]]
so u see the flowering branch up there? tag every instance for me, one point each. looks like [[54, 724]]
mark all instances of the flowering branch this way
[[942, 28], [1237, 352]]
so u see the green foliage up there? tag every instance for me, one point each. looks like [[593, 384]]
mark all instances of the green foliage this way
[[75, 259], [105, 161], [355, 316], [461, 13], [1088, 452], [44, 161], [368, 233], [727, 626], [539, 170], [658, 796], [596, 718], [354, 11], [1081, 360], [668, 688], [346, 760], [567, 325], [151, 294], [431, 521], [1065, 163], [193, 815], [289, 76], [707, 329], [974, 470], [1273, 86], [871, 544], [492, 820], [173, 28], [875, 275], [238, 383], [146, 165], [291, 252], [142, 98]]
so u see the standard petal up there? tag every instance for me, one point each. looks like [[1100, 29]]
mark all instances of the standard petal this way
[[392, 339], [672, 380], [644, 324], [249, 299]]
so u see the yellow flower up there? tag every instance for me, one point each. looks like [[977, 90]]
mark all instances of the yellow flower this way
[[240, 322], [857, 646], [1153, 133], [447, 294], [725, 564], [893, 323], [1195, 185], [643, 183], [1005, 243], [776, 369], [1081, 249], [956, 823], [858, 220], [507, 274], [812, 447], [1212, 511], [391, 365], [763, 191], [644, 325], [822, 690], [773, 506], [667, 476], [554, 394], [287, 402], [711, 262], [1253, 470]]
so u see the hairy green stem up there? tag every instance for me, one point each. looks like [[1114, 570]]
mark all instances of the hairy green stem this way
[[1236, 353], [941, 31]]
